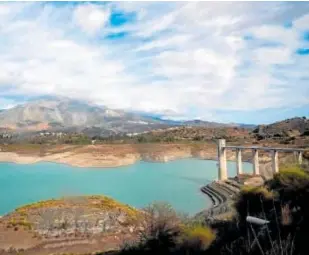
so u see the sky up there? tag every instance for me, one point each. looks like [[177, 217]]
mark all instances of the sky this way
[[245, 62]]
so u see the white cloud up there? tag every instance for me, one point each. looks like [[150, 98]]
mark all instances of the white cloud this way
[[176, 56], [302, 22], [268, 56], [91, 17]]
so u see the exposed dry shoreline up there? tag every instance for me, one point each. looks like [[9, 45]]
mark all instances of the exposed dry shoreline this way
[[110, 155], [77, 160], [89, 160], [106, 155]]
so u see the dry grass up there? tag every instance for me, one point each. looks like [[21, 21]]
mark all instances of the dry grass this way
[[199, 236], [260, 191], [291, 176], [19, 222], [95, 201]]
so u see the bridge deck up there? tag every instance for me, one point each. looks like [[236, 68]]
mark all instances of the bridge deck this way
[[264, 148]]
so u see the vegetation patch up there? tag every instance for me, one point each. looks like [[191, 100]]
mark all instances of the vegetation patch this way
[[257, 191], [166, 232], [198, 236], [96, 201], [16, 222], [253, 201], [40, 204], [290, 176], [106, 203]]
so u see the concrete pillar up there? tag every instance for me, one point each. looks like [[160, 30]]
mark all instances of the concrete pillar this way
[[255, 154], [300, 157], [295, 153], [275, 162], [222, 160], [238, 161]]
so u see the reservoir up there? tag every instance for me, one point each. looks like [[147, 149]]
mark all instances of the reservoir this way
[[176, 182]]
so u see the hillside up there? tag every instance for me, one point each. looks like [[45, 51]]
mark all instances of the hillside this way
[[70, 115], [195, 133], [73, 115], [68, 225], [287, 128]]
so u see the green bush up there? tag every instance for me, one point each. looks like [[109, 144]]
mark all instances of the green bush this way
[[290, 177], [197, 237], [254, 201]]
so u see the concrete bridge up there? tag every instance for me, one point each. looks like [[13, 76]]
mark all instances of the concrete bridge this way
[[222, 147]]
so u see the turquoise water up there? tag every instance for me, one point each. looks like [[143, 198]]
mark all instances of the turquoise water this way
[[176, 182]]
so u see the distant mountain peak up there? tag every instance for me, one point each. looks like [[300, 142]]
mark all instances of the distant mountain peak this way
[[57, 112]]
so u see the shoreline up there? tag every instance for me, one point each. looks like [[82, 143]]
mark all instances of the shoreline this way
[[91, 160], [108, 166], [102, 156], [105, 156]]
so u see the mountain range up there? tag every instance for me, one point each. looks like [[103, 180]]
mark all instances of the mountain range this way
[[65, 114]]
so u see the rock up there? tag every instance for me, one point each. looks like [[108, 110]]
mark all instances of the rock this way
[[141, 228], [121, 219], [254, 181], [292, 133]]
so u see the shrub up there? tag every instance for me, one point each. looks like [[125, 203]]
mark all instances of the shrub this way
[[254, 201], [198, 138], [161, 228], [15, 223], [292, 185], [291, 176], [197, 237], [166, 232], [283, 201]]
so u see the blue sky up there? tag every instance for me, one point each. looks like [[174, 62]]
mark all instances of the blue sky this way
[[218, 61]]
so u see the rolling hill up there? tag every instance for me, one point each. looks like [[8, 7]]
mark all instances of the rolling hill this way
[[286, 128]]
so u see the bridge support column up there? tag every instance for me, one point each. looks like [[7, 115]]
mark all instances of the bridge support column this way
[[222, 160], [255, 154], [238, 161], [275, 162], [295, 153], [300, 157]]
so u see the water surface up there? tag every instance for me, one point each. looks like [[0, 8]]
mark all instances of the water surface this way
[[176, 182]]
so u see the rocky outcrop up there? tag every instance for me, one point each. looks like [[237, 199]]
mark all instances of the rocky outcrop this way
[[68, 222]]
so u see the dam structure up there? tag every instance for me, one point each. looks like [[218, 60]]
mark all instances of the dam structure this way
[[222, 192], [222, 166]]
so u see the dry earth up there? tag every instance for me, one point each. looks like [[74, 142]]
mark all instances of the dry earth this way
[[70, 225], [104, 155]]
